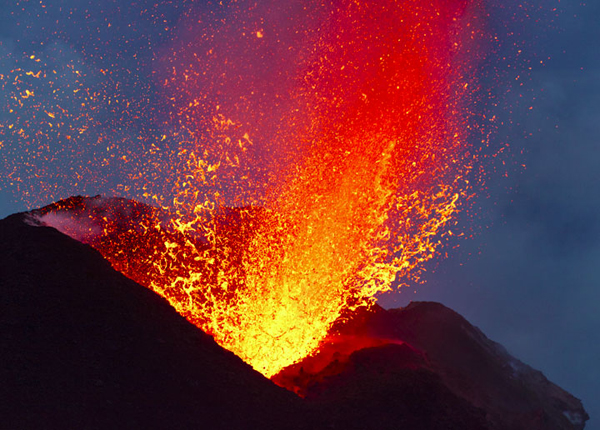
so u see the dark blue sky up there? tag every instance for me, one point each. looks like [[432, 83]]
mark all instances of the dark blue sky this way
[[529, 278]]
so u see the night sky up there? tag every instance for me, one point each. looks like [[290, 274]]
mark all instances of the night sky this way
[[530, 278], [529, 275]]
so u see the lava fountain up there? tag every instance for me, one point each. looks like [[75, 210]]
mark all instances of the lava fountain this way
[[366, 140]]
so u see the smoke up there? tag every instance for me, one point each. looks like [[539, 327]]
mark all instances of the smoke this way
[[80, 228], [92, 219]]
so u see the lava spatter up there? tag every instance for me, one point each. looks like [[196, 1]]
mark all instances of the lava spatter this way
[[300, 196]]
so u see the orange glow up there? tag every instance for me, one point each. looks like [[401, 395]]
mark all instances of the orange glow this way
[[371, 158], [380, 177]]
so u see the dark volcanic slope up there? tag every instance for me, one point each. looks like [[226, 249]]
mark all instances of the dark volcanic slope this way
[[512, 395], [82, 346]]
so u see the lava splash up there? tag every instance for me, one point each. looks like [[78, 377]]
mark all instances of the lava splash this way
[[368, 165]]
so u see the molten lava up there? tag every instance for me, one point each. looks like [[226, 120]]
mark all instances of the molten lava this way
[[368, 168]]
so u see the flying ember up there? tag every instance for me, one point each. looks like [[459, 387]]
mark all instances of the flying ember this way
[[322, 154]]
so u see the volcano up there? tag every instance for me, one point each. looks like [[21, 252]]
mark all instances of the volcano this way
[[84, 346]]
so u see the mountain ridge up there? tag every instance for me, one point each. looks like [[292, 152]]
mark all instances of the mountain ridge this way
[[85, 347]]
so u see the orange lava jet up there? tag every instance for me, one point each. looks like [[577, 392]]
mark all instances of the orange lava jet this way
[[368, 163]]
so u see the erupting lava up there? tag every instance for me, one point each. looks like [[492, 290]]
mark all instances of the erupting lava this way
[[368, 142]]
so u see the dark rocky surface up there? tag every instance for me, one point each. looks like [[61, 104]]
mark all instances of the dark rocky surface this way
[[82, 346], [438, 341]]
